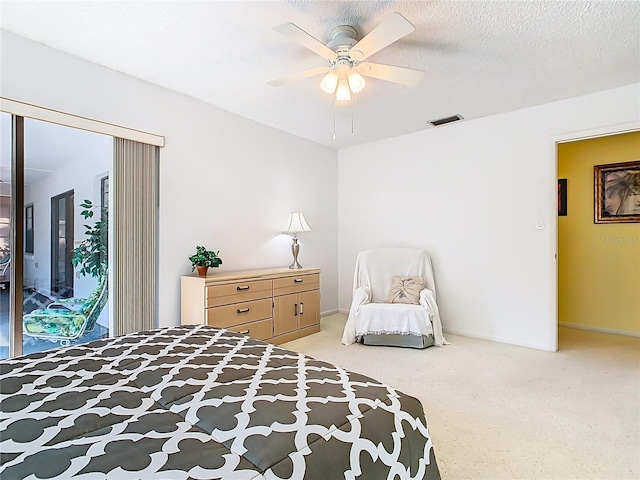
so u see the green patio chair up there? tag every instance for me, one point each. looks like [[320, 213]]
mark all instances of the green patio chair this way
[[67, 319]]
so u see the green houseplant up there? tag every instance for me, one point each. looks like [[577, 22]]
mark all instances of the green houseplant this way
[[203, 259], [91, 255]]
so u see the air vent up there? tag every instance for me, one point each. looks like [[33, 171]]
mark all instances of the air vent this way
[[445, 120]]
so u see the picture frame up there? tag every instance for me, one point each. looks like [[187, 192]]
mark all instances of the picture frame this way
[[617, 192], [562, 197]]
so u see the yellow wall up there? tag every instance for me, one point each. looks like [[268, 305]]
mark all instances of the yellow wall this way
[[598, 264]]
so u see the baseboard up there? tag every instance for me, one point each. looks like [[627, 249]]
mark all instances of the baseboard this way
[[599, 330], [328, 312], [342, 310], [496, 339]]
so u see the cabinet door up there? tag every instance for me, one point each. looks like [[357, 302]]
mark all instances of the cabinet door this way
[[285, 314], [309, 308]]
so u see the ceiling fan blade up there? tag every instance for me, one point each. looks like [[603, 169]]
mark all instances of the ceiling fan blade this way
[[393, 28], [405, 76], [299, 76], [303, 38]]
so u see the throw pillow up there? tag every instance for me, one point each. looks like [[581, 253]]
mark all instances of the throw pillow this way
[[405, 290]]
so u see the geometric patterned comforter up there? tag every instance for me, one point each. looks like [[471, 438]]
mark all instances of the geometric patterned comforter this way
[[201, 402]]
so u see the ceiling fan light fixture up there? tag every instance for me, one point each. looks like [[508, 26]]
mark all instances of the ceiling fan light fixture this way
[[329, 82], [343, 94], [356, 82]]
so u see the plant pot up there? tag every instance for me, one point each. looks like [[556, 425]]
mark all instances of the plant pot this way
[[202, 270]]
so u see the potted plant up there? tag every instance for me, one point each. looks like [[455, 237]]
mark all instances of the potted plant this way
[[91, 254], [203, 259]]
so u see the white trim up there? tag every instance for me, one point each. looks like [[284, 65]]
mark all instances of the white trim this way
[[597, 132], [53, 116], [328, 312], [498, 339], [611, 331], [553, 157]]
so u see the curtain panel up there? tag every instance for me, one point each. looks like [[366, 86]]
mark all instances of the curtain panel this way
[[134, 279]]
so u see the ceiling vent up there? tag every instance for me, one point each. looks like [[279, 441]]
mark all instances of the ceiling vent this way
[[443, 121]]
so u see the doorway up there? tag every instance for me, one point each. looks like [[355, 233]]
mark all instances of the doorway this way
[[62, 242], [598, 274]]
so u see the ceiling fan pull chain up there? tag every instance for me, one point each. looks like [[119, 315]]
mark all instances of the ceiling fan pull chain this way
[[334, 121], [353, 109]]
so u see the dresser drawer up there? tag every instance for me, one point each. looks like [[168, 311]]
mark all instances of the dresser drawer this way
[[236, 292], [239, 313], [301, 283], [260, 330]]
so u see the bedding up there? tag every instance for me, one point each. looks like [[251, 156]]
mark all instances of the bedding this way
[[200, 402]]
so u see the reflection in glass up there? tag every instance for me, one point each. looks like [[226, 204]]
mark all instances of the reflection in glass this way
[[62, 230], [66, 301], [63, 303], [28, 230], [5, 230]]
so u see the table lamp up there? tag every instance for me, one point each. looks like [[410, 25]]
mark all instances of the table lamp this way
[[295, 224]]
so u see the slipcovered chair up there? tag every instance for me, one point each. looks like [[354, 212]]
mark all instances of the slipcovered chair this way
[[394, 300], [67, 319]]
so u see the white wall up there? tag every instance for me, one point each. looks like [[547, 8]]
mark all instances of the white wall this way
[[225, 182], [471, 193]]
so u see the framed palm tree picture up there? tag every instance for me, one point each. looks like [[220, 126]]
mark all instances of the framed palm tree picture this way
[[617, 192]]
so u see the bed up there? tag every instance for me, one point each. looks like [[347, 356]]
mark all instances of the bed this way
[[202, 402]]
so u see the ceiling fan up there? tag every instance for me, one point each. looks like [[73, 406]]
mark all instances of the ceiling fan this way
[[345, 55]]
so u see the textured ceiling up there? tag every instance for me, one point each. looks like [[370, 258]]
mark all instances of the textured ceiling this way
[[480, 58]]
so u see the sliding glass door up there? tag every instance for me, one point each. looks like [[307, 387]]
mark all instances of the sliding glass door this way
[[57, 198], [45, 301], [5, 231]]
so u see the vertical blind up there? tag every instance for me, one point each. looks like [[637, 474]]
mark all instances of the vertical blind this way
[[135, 172]]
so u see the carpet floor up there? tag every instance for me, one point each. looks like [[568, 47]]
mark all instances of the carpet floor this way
[[498, 411]]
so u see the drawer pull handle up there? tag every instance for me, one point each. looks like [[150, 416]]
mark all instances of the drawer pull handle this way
[[243, 287], [301, 308], [243, 310], [298, 280], [295, 310], [245, 332]]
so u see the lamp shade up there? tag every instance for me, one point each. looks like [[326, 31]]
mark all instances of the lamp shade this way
[[343, 94], [356, 82], [296, 223], [329, 82]]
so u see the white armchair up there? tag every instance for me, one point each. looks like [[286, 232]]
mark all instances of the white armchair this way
[[374, 321]]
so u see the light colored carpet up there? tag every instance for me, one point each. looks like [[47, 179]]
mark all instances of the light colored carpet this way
[[497, 411]]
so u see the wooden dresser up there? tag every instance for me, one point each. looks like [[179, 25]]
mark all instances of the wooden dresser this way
[[275, 304]]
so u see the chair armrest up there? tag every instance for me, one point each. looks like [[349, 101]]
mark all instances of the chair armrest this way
[[361, 296], [72, 301], [428, 301], [68, 303], [56, 305]]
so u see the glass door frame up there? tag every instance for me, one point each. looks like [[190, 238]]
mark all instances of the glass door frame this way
[[16, 244]]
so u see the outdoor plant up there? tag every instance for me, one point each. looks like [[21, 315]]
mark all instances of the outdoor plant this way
[[204, 258], [91, 253]]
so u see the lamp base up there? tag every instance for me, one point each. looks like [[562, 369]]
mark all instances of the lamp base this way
[[295, 249]]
